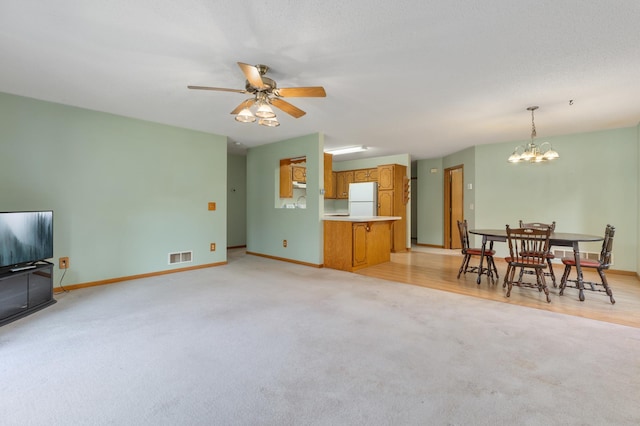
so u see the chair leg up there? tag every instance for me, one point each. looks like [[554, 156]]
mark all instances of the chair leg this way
[[465, 260], [551, 274], [510, 280], [491, 268], [542, 283], [563, 280], [506, 276], [605, 284]]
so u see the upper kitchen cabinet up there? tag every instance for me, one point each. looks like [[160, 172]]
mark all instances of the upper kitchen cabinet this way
[[299, 174], [387, 175], [343, 179], [329, 180], [365, 175], [286, 181]]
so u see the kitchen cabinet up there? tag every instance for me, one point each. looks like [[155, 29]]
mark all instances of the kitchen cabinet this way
[[286, 183], [350, 244], [343, 179], [385, 202], [359, 244], [365, 175], [299, 174], [334, 183], [393, 190], [386, 176], [329, 177]]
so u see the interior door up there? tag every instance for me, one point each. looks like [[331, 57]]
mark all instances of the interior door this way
[[454, 205]]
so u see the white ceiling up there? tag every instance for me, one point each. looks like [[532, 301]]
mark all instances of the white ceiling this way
[[423, 77]]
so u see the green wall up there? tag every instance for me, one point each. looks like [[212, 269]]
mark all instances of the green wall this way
[[236, 200], [268, 226], [594, 182], [125, 192], [430, 212]]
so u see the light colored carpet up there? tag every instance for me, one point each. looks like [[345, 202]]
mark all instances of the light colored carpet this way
[[262, 342]]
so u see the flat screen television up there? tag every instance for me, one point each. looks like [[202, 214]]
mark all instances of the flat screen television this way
[[25, 238]]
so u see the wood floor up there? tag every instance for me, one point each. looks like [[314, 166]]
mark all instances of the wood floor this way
[[438, 271]]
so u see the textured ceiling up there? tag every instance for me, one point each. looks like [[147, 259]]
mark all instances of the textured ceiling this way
[[427, 78]]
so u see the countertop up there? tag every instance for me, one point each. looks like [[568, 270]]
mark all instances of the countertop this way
[[360, 218]]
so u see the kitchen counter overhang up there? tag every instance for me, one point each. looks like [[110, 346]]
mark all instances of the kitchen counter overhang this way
[[347, 218], [356, 242]]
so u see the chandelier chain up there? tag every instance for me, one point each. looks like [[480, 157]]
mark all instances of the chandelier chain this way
[[533, 125]]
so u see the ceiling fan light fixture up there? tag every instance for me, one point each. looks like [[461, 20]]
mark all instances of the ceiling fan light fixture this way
[[265, 94], [265, 111], [245, 116], [269, 122]]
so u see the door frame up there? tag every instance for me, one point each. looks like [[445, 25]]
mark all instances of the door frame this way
[[448, 202]]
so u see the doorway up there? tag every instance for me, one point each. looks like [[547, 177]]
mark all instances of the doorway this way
[[453, 205]]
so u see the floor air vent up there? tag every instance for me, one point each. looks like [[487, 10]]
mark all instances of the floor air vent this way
[[180, 257]]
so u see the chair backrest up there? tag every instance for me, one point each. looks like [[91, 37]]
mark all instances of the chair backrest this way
[[528, 245], [538, 225], [607, 247], [464, 235]]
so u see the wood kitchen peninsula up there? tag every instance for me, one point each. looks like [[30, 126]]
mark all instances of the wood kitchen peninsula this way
[[356, 242]]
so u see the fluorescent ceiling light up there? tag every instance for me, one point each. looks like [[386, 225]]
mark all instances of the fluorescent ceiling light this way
[[346, 150]]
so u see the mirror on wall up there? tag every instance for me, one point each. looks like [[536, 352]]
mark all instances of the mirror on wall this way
[[293, 183]]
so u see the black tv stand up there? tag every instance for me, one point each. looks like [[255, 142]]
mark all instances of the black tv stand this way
[[25, 291]]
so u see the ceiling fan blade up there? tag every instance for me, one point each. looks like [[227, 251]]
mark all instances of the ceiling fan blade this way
[[301, 92], [245, 104], [252, 74], [219, 89], [287, 107]]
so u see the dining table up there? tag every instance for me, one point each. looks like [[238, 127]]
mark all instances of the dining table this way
[[558, 239]]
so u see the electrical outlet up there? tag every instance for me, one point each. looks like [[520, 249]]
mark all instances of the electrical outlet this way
[[284, 243], [212, 247], [64, 263]]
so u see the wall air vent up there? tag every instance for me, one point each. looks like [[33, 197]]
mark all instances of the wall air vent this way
[[180, 257], [559, 254]]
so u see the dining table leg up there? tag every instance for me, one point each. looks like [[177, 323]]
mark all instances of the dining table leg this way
[[576, 255], [484, 245]]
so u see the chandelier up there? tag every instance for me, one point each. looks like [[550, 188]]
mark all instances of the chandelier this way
[[532, 153], [264, 113]]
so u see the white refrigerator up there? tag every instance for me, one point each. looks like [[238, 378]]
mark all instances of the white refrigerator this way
[[363, 199]]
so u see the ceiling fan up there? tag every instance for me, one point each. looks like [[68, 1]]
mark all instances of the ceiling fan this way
[[265, 92]]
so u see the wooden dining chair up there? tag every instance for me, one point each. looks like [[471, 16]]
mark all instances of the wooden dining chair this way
[[550, 255], [527, 249], [601, 264], [490, 270]]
